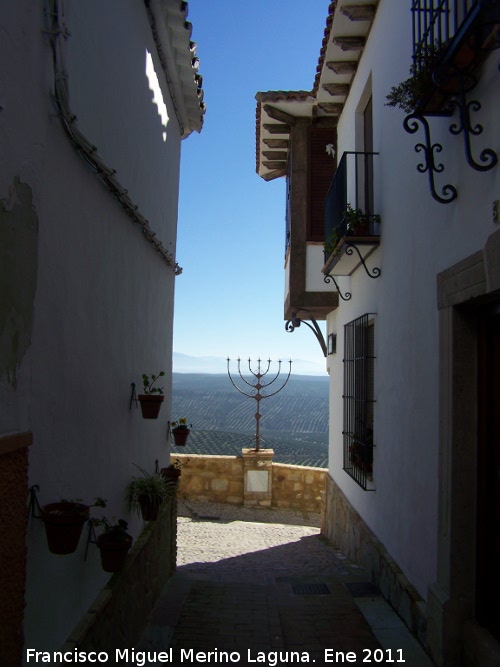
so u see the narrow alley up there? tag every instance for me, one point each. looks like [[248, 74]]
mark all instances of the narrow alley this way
[[266, 587]]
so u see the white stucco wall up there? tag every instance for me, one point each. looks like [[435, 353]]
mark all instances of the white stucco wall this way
[[103, 308], [314, 262], [420, 238]]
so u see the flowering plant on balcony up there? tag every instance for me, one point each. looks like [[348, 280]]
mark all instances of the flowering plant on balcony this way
[[357, 221], [180, 424]]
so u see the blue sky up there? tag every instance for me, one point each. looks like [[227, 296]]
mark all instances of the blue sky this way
[[229, 298]]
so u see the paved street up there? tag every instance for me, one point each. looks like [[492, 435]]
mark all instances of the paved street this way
[[255, 582]]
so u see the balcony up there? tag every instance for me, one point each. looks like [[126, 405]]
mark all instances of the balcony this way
[[352, 227], [451, 39]]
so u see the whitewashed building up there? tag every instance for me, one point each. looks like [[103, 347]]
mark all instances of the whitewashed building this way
[[408, 284], [96, 98]]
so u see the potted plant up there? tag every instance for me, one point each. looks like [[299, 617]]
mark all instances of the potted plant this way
[[152, 398], [173, 471], [63, 523], [332, 241], [114, 543], [146, 493], [431, 81], [180, 431], [358, 221]]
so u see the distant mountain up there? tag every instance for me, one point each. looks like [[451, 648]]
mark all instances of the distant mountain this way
[[294, 422], [185, 363]]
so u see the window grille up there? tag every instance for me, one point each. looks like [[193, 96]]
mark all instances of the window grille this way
[[358, 398]]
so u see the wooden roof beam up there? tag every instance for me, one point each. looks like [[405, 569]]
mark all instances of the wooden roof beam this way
[[336, 88], [278, 165], [276, 173], [343, 66], [350, 43], [359, 12], [275, 155], [275, 128], [332, 108], [277, 114], [276, 143]]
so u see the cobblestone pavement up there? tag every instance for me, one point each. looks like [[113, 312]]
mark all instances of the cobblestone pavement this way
[[266, 587]]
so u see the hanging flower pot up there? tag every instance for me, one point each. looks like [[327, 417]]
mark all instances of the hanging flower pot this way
[[146, 494], [63, 525], [180, 431], [149, 509], [180, 436], [152, 398], [150, 405], [171, 473], [114, 545], [113, 554]]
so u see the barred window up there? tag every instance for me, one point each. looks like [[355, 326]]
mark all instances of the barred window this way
[[358, 398]]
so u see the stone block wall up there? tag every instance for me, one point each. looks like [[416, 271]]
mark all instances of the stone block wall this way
[[217, 479], [220, 479], [118, 615], [346, 530], [299, 487]]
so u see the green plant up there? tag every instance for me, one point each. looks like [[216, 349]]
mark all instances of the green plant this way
[[148, 488], [178, 464], [148, 383], [332, 241], [115, 531], [356, 217], [180, 424], [409, 94], [74, 505]]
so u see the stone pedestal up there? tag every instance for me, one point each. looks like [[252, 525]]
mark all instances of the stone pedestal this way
[[258, 478]]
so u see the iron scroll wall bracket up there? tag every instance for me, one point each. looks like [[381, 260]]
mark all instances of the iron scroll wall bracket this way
[[487, 157], [133, 397], [33, 504], [295, 322], [349, 250], [448, 192], [328, 279], [91, 537]]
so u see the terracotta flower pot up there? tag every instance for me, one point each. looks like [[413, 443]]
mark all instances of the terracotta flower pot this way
[[149, 510], [180, 436], [150, 405], [63, 525], [113, 552], [171, 472]]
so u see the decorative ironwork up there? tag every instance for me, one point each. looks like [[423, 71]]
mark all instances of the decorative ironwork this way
[[410, 124], [358, 399], [465, 125], [352, 186], [350, 247], [295, 322], [451, 39], [257, 395], [329, 278]]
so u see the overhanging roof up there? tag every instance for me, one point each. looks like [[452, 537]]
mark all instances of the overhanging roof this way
[[347, 27], [172, 34]]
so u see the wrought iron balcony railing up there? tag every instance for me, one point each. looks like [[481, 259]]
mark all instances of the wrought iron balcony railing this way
[[451, 40], [451, 36], [352, 226], [435, 23], [349, 204]]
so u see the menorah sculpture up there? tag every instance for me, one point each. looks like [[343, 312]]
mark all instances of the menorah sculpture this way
[[257, 395]]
